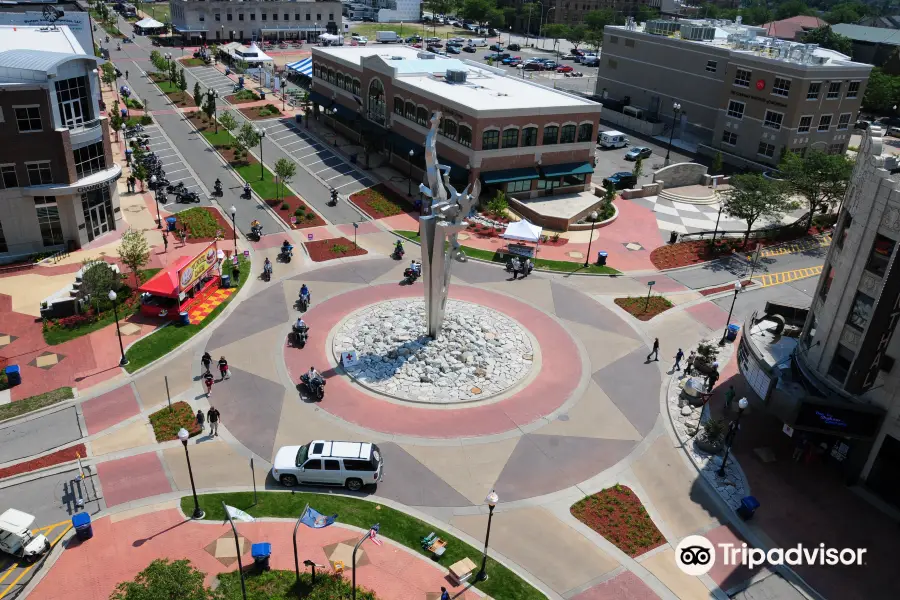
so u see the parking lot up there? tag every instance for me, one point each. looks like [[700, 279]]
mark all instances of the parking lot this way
[[212, 78], [175, 167], [612, 160]]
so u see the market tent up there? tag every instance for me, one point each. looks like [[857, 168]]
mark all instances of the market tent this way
[[253, 53], [523, 231], [149, 23], [165, 283], [304, 67]]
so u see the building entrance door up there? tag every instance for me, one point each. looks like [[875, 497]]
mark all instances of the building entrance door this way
[[883, 478], [98, 213], [72, 113], [99, 220]]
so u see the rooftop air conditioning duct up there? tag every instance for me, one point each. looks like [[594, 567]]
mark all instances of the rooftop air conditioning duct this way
[[456, 76]]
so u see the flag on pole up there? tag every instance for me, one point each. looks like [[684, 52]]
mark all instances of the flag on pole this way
[[238, 515], [373, 535], [314, 519]]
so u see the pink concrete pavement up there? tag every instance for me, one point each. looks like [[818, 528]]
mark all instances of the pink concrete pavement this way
[[559, 376], [626, 586], [110, 408], [119, 550], [132, 478]]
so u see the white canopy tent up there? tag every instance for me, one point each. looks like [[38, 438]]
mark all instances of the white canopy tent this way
[[523, 231], [149, 23]]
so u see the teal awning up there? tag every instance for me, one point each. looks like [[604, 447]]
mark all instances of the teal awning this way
[[507, 175], [583, 168]]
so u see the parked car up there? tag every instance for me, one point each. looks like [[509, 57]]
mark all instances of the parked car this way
[[453, 49], [549, 65], [413, 39], [511, 59], [638, 152], [470, 49], [496, 47], [893, 131], [457, 40], [623, 180], [432, 40], [534, 66], [496, 56], [564, 69], [350, 464], [514, 47], [567, 57]]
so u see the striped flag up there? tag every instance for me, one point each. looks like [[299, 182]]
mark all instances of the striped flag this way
[[373, 535]]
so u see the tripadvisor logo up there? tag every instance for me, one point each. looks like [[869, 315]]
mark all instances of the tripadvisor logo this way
[[696, 555]]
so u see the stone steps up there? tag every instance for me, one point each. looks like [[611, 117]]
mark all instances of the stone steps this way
[[676, 197]]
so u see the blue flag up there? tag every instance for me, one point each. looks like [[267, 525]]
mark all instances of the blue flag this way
[[312, 518]]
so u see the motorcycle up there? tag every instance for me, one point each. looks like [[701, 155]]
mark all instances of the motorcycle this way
[[217, 189], [246, 193], [187, 197], [410, 275], [316, 387], [176, 189], [267, 272], [398, 253], [133, 130], [303, 303], [301, 334], [256, 232], [286, 254], [511, 268]]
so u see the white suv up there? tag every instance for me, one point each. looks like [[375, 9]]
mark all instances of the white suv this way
[[351, 464]]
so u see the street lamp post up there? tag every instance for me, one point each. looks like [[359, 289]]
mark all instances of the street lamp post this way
[[112, 298], [376, 527], [742, 404], [234, 227], [491, 500], [124, 128], [676, 107], [409, 178], [737, 290], [153, 181], [183, 435], [262, 168], [528, 26], [593, 217], [541, 28]]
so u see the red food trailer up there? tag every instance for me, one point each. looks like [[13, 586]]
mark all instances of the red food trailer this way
[[175, 289]]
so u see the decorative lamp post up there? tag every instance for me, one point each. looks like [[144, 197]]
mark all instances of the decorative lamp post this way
[[593, 217], [234, 227], [153, 181], [676, 108], [262, 169], [735, 425], [124, 129], [112, 298], [183, 435], [215, 95], [491, 500], [409, 178], [737, 290]]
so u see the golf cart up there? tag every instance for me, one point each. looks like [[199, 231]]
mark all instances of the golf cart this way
[[16, 537]]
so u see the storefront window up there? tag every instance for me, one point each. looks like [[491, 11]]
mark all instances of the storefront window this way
[[860, 312], [465, 136], [518, 186], [529, 136], [73, 96], [880, 256], [422, 115], [840, 363], [98, 212], [410, 110], [548, 184], [48, 220], [490, 140], [585, 132], [573, 180], [376, 102]]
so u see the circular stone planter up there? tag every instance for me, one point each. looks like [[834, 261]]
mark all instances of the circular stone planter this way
[[586, 226], [710, 448], [480, 353]]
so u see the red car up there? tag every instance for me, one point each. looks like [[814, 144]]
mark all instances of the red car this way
[[417, 45], [564, 69]]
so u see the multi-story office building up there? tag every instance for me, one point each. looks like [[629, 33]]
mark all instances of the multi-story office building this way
[[233, 20], [385, 11], [847, 349], [572, 13], [526, 139], [57, 176], [747, 96]]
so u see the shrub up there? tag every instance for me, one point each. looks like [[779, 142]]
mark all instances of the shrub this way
[[298, 212], [285, 206], [714, 430], [707, 352], [339, 249]]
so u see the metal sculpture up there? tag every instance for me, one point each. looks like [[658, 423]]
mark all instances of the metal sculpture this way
[[445, 221]]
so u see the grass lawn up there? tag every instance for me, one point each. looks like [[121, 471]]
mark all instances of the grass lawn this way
[[408, 531], [165, 340], [167, 421], [442, 31], [193, 62], [27, 405], [282, 585], [265, 187], [220, 138], [539, 263], [158, 11], [142, 120]]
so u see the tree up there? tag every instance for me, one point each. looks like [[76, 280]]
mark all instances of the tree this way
[[97, 280], [716, 167], [109, 74], [164, 580], [247, 137], [882, 91], [638, 169], [476, 10], [134, 252], [509, 16], [156, 59], [285, 170], [752, 197], [645, 13], [138, 170], [228, 121], [556, 31], [819, 177], [847, 12], [495, 18], [575, 35], [182, 83], [210, 106], [792, 8], [827, 38], [598, 19], [198, 94], [173, 71]]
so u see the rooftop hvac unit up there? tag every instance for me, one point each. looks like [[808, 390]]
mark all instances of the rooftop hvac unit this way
[[662, 27], [697, 33], [456, 76], [425, 55]]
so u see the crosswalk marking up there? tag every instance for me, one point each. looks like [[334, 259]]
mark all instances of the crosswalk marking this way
[[770, 279]]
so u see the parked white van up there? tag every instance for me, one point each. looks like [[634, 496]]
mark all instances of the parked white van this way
[[474, 42], [613, 139], [350, 464]]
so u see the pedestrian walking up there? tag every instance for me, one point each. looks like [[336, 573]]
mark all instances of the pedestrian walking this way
[[183, 234], [729, 397], [126, 74], [689, 365], [206, 361], [208, 380], [223, 368], [201, 419], [711, 379], [678, 356], [655, 352], [445, 595], [214, 417], [165, 242]]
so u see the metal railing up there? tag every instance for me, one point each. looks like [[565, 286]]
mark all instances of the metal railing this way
[[765, 232]]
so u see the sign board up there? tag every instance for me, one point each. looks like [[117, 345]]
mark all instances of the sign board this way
[[651, 283], [246, 254], [349, 359], [788, 430], [197, 268], [309, 237], [520, 250], [79, 24]]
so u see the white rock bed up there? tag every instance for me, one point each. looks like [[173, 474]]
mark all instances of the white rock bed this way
[[480, 352]]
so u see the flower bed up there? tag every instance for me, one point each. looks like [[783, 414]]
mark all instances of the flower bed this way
[[192, 62], [55, 458], [167, 421], [641, 309], [290, 206], [329, 249], [617, 514], [258, 113], [242, 97], [380, 201], [204, 224]]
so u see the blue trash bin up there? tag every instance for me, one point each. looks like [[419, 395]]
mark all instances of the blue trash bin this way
[[82, 524], [732, 332], [261, 552], [298, 118], [748, 507], [601, 258], [185, 319], [13, 376], [226, 281], [170, 223]]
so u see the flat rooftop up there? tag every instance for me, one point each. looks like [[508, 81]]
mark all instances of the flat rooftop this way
[[45, 39], [485, 88]]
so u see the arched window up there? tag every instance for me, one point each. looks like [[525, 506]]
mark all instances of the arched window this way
[[567, 134], [356, 86], [450, 129], [551, 134], [586, 132], [529, 136], [465, 136], [398, 106], [511, 138], [490, 139], [329, 76], [422, 115], [348, 83], [410, 110], [376, 104]]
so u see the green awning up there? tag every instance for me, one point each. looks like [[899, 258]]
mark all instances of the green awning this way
[[582, 168], [507, 175]]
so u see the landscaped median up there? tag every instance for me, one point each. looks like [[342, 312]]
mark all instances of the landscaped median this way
[[405, 530], [33, 403], [168, 338], [539, 263]]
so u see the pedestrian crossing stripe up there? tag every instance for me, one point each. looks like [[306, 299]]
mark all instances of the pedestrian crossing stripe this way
[[770, 279], [809, 243]]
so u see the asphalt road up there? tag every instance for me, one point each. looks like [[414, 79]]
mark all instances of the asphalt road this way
[[797, 293], [35, 436], [732, 269]]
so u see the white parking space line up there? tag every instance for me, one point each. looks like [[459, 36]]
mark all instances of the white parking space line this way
[[180, 179], [292, 143], [284, 137], [312, 163], [346, 184], [177, 171], [325, 169], [307, 155], [336, 176]]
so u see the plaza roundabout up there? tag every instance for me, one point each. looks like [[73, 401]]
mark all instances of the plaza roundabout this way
[[574, 398]]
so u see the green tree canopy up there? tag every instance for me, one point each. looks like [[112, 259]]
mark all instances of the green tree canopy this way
[[165, 580], [134, 252], [847, 12], [792, 8], [285, 170], [818, 177], [825, 37], [576, 35], [752, 197], [882, 92], [228, 121]]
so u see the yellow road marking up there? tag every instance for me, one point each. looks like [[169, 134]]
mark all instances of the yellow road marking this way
[[770, 279], [31, 566], [807, 244], [12, 567]]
